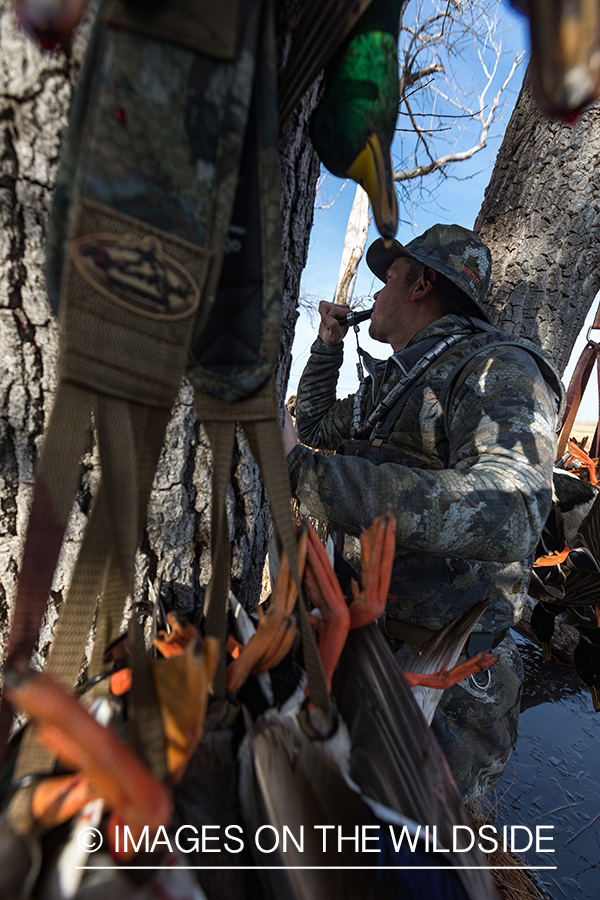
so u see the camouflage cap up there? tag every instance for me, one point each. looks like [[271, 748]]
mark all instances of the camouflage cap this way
[[451, 250]]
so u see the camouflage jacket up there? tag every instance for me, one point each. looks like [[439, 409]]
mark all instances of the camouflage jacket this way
[[467, 467]]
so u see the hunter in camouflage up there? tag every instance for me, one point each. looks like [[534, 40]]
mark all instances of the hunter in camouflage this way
[[463, 455]]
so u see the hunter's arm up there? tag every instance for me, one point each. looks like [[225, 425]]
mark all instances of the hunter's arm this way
[[492, 500], [321, 420]]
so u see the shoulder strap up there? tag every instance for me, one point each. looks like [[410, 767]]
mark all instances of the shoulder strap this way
[[479, 351], [126, 326], [384, 409], [576, 390], [395, 400]]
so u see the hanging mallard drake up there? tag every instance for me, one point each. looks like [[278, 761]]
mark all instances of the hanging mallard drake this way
[[353, 126]]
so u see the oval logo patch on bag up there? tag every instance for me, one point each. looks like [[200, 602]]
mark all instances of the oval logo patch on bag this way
[[136, 273]]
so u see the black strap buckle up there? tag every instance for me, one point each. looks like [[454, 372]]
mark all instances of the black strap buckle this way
[[479, 642]]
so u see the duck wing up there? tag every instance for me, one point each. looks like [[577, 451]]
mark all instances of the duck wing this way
[[289, 783], [440, 651], [395, 758], [207, 795]]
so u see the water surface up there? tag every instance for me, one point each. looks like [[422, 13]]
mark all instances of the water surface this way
[[553, 778]]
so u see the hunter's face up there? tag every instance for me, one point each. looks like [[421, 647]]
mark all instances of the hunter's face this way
[[391, 314]]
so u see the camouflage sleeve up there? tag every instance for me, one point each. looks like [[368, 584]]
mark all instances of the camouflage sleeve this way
[[321, 420], [492, 500]]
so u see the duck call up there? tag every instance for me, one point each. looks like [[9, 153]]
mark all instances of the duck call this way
[[356, 316]]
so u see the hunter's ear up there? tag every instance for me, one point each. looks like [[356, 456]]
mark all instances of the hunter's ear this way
[[425, 285]]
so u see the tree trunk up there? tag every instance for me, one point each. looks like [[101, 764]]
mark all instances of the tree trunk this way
[[35, 94], [540, 220], [355, 242]]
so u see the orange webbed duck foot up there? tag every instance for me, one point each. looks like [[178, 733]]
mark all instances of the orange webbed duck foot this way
[[377, 546], [106, 768], [446, 678], [324, 591], [276, 629]]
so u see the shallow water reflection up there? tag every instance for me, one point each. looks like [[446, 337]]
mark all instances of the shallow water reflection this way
[[553, 778]]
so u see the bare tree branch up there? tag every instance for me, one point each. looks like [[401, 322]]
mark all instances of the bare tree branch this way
[[480, 116], [407, 79]]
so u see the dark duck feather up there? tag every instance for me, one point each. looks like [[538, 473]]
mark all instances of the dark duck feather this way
[[319, 29], [398, 773], [587, 662], [395, 759]]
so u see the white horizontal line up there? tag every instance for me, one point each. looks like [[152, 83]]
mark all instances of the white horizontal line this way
[[322, 868]]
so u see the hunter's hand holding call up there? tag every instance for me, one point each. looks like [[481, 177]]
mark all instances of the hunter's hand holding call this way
[[335, 321]]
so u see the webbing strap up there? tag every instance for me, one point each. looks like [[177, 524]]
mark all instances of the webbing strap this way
[[56, 481], [258, 417], [435, 349], [149, 425], [74, 623], [266, 444], [576, 390], [221, 436], [130, 437], [108, 620], [146, 731], [115, 339], [116, 443]]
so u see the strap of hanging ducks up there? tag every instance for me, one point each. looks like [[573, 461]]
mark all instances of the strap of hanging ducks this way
[[243, 326], [129, 294], [137, 278], [589, 358]]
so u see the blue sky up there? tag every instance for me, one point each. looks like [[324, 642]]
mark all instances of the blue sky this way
[[456, 198]]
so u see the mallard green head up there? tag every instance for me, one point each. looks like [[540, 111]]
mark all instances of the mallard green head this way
[[353, 126]]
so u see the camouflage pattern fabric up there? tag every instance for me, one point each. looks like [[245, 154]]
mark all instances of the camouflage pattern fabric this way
[[477, 720], [452, 250], [470, 483], [156, 135], [469, 480], [162, 134]]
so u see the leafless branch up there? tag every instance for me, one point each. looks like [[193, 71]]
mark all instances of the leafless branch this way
[[440, 31], [484, 115], [318, 204]]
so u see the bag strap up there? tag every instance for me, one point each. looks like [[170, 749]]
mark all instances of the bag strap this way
[[258, 416], [117, 388], [577, 385], [129, 449], [56, 480]]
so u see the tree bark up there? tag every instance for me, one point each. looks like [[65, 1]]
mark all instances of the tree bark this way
[[35, 94], [540, 220]]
